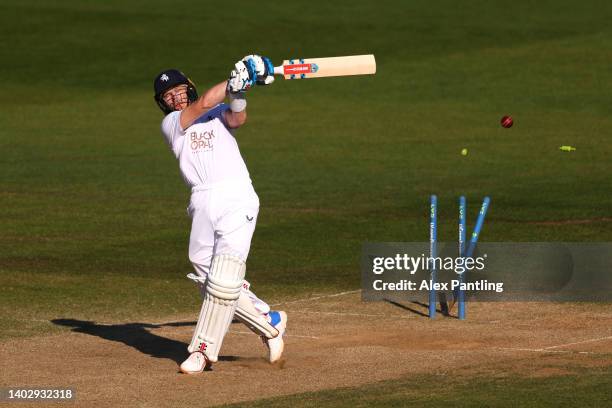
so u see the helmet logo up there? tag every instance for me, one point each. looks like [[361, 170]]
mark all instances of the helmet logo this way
[[164, 78]]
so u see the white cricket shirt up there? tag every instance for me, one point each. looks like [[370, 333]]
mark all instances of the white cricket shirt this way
[[207, 152]]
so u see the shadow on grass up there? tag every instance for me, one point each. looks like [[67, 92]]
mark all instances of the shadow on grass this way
[[138, 336]]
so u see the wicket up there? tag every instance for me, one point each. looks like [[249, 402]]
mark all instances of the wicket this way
[[460, 295], [433, 252], [463, 252]]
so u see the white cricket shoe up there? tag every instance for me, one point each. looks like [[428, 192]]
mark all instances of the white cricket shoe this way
[[194, 364], [276, 345]]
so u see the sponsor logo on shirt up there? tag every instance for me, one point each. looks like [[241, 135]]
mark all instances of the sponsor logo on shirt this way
[[201, 141]]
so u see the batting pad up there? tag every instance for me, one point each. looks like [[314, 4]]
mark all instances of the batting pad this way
[[247, 314], [245, 311], [223, 288]]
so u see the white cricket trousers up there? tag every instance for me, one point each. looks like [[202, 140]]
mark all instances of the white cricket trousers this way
[[223, 222]]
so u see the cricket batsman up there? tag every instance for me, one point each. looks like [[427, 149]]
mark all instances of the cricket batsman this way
[[223, 205]]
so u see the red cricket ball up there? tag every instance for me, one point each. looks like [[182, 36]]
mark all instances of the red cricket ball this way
[[507, 121]]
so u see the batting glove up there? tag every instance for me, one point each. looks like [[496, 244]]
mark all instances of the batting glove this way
[[263, 69], [242, 77]]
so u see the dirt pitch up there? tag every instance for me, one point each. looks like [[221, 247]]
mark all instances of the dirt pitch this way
[[333, 341]]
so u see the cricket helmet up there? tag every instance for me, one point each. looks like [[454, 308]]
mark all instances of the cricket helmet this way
[[169, 79]]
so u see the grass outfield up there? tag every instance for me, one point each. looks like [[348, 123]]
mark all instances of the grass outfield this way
[[588, 389], [93, 222]]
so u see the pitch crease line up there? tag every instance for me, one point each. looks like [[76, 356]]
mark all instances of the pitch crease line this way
[[180, 320], [579, 342], [349, 314], [286, 335], [317, 297], [541, 350]]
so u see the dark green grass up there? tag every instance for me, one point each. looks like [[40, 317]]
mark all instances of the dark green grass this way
[[589, 389], [93, 223], [93, 216]]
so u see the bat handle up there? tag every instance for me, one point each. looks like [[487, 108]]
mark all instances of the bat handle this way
[[279, 70]]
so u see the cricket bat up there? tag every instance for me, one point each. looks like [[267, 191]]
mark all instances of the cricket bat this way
[[327, 67]]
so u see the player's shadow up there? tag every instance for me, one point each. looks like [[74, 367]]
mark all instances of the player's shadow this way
[[137, 335]]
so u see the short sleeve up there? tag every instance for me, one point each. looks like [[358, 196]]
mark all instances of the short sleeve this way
[[171, 128]]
